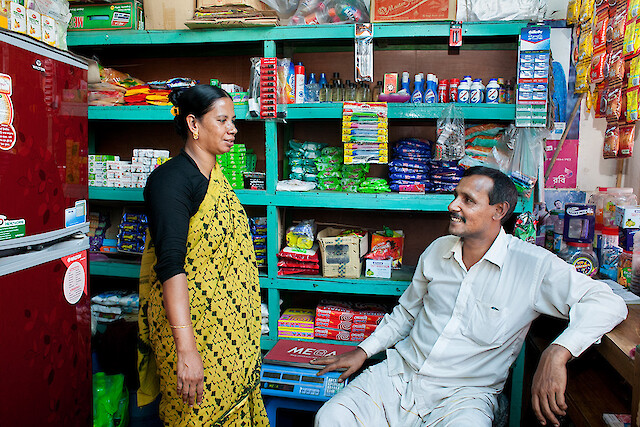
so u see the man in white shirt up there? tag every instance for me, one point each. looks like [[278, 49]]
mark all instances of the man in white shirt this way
[[463, 319]]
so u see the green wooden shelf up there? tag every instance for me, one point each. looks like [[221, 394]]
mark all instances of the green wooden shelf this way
[[114, 268], [323, 110], [396, 30], [247, 197], [315, 199]]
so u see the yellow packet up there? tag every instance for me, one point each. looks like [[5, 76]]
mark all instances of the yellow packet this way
[[582, 76], [632, 11], [573, 12], [586, 10], [634, 72], [629, 46], [632, 104], [585, 44], [589, 100]]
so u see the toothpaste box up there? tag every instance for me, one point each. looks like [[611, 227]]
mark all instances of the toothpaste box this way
[[363, 328], [332, 322], [332, 334]]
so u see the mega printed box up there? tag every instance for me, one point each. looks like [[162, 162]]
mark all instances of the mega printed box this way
[[168, 14], [342, 256], [107, 16], [413, 10]]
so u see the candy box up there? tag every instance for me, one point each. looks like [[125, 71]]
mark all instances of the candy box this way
[[627, 216], [378, 268]]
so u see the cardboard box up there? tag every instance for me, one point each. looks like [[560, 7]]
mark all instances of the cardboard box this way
[[413, 10], [49, 31], [4, 14], [107, 16], [34, 24], [256, 4], [17, 18], [168, 14], [342, 256], [378, 268], [627, 216]]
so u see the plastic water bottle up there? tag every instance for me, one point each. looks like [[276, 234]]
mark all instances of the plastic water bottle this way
[[417, 95], [493, 92], [406, 83], [312, 90], [463, 92], [634, 286], [476, 92], [431, 92]]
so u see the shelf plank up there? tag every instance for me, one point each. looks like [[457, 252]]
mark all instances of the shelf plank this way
[[148, 113], [393, 30], [395, 286], [310, 111], [115, 268], [315, 199]]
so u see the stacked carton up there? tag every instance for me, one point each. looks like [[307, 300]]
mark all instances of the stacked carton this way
[[296, 323], [344, 321], [234, 164]]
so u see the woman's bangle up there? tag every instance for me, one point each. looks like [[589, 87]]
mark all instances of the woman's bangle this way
[[179, 326]]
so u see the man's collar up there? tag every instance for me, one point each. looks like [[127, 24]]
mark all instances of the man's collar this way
[[496, 253]]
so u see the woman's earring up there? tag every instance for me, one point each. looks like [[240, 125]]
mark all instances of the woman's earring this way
[[195, 135]]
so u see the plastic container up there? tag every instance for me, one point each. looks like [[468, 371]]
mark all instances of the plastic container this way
[[299, 79], [609, 254], [616, 197], [558, 232], [502, 91], [579, 222], [406, 83], [453, 90], [634, 286], [417, 95], [431, 92], [550, 226], [476, 92], [463, 92], [581, 256], [493, 92]]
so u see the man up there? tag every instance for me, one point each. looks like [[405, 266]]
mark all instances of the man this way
[[463, 319]]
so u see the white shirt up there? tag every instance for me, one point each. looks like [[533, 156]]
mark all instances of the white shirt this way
[[459, 328]]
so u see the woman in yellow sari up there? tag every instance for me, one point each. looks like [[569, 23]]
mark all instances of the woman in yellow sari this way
[[199, 321]]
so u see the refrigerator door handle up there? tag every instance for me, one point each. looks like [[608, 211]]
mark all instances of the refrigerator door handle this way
[[11, 264], [43, 238]]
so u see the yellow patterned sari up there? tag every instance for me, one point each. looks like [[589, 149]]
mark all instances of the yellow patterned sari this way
[[225, 311]]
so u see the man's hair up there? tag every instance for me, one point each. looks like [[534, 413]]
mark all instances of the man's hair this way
[[504, 190]]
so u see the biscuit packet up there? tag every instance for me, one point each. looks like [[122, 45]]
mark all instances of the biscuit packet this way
[[611, 141], [626, 137]]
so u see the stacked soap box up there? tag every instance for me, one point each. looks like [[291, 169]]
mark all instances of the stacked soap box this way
[[110, 171], [296, 323], [234, 164]]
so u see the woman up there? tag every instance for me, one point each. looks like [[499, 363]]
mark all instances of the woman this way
[[199, 295]]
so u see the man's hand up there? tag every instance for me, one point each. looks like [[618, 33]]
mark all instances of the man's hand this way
[[351, 360], [549, 385]]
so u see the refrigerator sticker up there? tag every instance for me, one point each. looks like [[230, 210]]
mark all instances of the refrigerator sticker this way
[[7, 132], [76, 215], [75, 279], [11, 228]]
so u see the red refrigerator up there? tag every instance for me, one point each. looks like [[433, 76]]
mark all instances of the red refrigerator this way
[[45, 317]]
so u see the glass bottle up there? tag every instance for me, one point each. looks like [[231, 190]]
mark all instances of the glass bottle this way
[[360, 94], [325, 93], [377, 90]]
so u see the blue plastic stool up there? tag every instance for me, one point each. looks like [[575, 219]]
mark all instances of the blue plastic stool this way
[[272, 404]]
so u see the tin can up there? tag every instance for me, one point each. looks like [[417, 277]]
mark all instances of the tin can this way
[[453, 90], [443, 91]]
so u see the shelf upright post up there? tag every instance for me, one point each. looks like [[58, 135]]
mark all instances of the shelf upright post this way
[[273, 223]]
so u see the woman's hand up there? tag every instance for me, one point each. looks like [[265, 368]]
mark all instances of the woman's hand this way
[[190, 377]]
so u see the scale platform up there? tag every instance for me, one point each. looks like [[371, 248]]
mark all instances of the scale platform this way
[[286, 371]]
